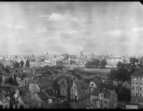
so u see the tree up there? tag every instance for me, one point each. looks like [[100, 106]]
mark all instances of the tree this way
[[10, 80], [88, 64], [103, 63], [21, 63], [123, 93], [0, 79], [72, 62], [120, 64], [121, 74], [141, 62], [16, 65], [27, 63], [134, 60], [33, 56], [95, 62], [1, 65], [113, 74]]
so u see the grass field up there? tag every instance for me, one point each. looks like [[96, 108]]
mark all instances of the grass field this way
[[97, 70]]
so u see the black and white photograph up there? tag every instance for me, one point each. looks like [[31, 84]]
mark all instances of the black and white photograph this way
[[71, 55]]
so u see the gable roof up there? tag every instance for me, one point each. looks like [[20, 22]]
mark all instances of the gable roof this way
[[81, 104], [81, 84], [74, 105], [97, 81], [95, 92], [138, 73], [42, 95], [24, 89], [107, 93], [50, 92]]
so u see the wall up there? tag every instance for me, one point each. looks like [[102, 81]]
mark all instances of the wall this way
[[92, 98], [137, 89]]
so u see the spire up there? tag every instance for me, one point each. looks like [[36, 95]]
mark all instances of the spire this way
[[81, 48]]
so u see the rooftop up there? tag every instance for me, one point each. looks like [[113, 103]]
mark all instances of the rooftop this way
[[107, 92], [138, 73], [81, 84]]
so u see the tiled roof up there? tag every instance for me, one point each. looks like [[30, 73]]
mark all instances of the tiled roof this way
[[74, 105], [42, 95], [95, 92], [85, 103], [50, 92], [81, 84], [107, 93], [24, 89], [137, 73], [81, 104], [96, 81], [34, 81]]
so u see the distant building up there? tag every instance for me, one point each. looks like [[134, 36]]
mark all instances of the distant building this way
[[81, 53]]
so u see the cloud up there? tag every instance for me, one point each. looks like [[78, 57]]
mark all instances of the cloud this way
[[113, 33], [6, 24], [19, 26], [116, 17], [41, 30], [137, 29], [132, 20], [67, 18]]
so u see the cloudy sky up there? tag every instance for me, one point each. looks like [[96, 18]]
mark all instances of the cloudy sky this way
[[60, 27]]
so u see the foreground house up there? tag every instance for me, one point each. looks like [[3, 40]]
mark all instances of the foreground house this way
[[84, 104], [33, 87], [104, 98], [61, 86], [79, 90], [94, 83]]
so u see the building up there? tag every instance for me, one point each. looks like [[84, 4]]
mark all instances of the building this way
[[94, 83], [61, 86], [127, 84], [79, 90], [81, 53], [137, 87], [104, 98]]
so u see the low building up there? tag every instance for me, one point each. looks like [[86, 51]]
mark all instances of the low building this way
[[79, 90], [127, 84], [104, 98]]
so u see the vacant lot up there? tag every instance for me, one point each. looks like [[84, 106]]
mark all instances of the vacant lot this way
[[97, 70]]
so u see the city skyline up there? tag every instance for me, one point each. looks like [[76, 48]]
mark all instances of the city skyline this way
[[59, 27]]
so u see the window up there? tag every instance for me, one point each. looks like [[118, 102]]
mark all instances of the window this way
[[105, 102], [133, 87], [140, 88], [136, 94], [140, 95], [101, 95]]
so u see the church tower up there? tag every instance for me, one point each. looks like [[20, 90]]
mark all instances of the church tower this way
[[81, 53]]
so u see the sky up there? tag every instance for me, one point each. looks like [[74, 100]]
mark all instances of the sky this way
[[28, 28]]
